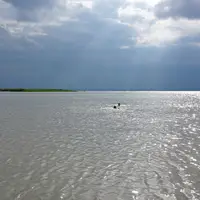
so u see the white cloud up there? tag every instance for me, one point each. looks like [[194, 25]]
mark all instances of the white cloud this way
[[169, 31], [151, 30]]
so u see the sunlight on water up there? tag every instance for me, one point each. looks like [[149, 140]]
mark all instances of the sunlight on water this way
[[77, 147]]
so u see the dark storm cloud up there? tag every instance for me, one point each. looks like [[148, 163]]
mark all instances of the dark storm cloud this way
[[90, 50], [172, 68], [29, 10], [178, 9], [85, 54], [30, 4]]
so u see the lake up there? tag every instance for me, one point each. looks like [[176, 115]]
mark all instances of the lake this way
[[75, 146]]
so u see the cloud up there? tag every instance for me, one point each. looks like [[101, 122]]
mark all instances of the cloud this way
[[97, 44], [189, 9], [30, 10], [43, 10], [84, 30], [152, 29], [32, 19], [29, 4]]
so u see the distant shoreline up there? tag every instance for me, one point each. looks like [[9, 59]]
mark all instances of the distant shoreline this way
[[33, 90]]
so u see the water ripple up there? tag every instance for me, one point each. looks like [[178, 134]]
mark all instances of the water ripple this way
[[76, 146]]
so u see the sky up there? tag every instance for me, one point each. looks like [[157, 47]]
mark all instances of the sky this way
[[100, 44]]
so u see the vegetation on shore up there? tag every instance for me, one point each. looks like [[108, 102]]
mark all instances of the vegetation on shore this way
[[33, 90]]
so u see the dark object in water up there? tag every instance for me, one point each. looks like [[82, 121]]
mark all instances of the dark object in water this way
[[115, 107], [119, 104]]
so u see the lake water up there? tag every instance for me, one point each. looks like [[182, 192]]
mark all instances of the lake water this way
[[75, 146]]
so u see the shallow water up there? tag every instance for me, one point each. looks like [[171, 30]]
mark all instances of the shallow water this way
[[75, 146]]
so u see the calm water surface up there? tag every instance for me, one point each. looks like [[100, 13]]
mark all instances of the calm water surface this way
[[75, 146]]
